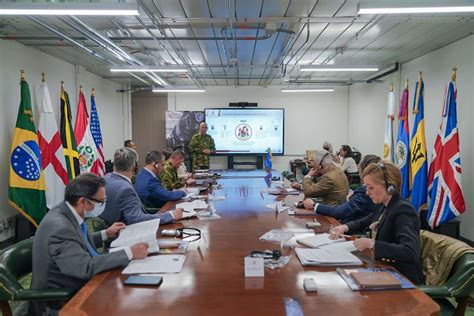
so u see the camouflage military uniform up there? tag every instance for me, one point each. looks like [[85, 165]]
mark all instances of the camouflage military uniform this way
[[196, 146], [169, 177]]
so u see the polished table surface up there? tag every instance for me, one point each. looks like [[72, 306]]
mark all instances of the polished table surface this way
[[212, 280]]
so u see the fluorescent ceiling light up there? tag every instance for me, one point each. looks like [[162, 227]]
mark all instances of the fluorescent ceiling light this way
[[179, 89], [48, 8], [309, 89], [338, 68], [414, 7], [150, 69]]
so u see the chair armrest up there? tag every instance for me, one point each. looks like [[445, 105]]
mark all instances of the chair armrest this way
[[152, 210], [435, 291], [44, 295]]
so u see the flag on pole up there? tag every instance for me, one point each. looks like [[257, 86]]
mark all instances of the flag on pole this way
[[85, 143], [388, 143], [268, 160], [26, 181], [67, 137], [444, 178], [99, 164], [403, 144], [52, 153], [418, 160]]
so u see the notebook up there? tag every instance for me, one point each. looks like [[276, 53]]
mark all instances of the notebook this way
[[369, 280]]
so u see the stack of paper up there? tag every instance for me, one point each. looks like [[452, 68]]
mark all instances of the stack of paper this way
[[318, 240], [139, 232], [326, 257], [156, 264]]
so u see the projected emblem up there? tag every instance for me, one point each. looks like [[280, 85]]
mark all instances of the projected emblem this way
[[243, 132]]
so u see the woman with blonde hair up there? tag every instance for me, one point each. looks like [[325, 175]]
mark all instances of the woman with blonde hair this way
[[395, 227]]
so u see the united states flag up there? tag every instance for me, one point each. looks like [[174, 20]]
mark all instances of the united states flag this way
[[444, 178], [99, 164]]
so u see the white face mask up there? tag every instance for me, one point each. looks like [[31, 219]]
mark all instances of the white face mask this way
[[98, 209]]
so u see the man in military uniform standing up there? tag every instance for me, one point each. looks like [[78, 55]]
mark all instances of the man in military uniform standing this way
[[201, 146]]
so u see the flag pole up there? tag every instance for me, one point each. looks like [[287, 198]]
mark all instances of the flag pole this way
[[390, 88], [93, 92], [43, 76], [406, 85], [22, 75], [453, 75], [80, 88], [62, 86]]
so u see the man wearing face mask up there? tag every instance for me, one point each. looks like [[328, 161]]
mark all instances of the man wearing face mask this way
[[148, 183], [64, 253]]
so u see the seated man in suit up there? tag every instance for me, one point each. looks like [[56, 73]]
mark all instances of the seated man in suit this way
[[64, 254], [123, 203], [148, 184], [332, 187], [169, 175], [358, 205]]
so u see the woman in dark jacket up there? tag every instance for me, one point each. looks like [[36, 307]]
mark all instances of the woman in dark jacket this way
[[396, 229]]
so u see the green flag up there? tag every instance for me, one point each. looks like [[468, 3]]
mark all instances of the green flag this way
[[26, 183], [67, 137]]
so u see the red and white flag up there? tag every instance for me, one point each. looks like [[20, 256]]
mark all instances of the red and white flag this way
[[51, 148], [86, 148]]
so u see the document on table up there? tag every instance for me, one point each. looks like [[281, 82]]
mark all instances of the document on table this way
[[139, 232], [326, 257], [318, 240], [192, 206], [156, 264]]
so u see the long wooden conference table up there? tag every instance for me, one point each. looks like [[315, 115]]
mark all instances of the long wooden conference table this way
[[212, 280]]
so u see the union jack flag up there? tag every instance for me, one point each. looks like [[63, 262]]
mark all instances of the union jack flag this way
[[99, 164], [444, 178]]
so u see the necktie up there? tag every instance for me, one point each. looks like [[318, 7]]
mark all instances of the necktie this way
[[88, 245]]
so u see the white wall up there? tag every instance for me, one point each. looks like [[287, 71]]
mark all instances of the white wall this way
[[368, 109], [310, 118], [113, 108]]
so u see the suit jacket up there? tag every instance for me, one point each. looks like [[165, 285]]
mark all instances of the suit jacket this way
[[359, 205], [398, 237], [60, 256], [151, 192], [124, 205], [331, 188]]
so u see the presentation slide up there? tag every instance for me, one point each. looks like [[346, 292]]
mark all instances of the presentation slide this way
[[246, 131]]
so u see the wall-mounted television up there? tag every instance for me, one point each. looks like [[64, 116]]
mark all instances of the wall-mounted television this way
[[246, 131]]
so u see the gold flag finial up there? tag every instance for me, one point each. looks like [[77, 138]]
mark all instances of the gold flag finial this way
[[420, 75], [453, 75], [406, 84], [62, 85], [80, 88], [22, 75], [93, 92], [43, 77], [390, 87]]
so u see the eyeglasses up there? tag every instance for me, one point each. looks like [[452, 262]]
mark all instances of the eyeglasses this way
[[98, 201]]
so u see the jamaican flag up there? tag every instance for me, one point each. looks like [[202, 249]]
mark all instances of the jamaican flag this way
[[26, 183], [67, 137]]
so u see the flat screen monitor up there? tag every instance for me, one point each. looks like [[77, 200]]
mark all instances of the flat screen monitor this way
[[246, 131]]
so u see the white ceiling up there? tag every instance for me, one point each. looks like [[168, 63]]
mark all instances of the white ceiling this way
[[291, 32]]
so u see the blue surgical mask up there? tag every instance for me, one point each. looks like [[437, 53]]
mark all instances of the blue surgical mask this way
[[98, 209]]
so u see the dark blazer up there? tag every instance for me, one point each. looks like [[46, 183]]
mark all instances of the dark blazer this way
[[151, 191], [359, 205], [60, 256], [124, 205], [398, 237]]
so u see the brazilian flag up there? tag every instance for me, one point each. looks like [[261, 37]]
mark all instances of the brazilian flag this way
[[26, 183], [67, 137]]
